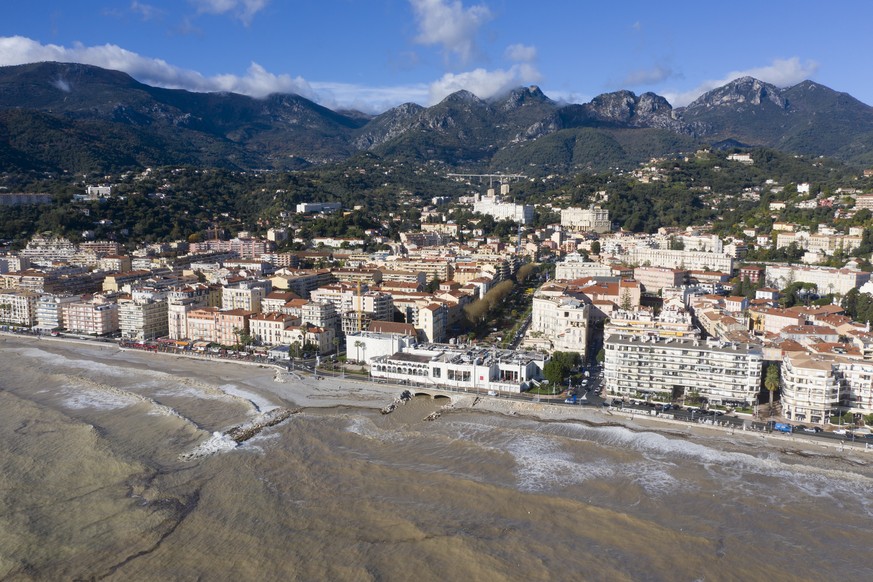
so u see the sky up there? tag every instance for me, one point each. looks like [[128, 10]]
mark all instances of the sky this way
[[372, 55]]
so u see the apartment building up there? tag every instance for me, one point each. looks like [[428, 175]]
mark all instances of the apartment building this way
[[143, 317], [593, 218], [672, 368], [202, 324], [673, 259], [269, 328], [231, 325], [826, 279], [655, 279], [247, 295], [95, 316], [432, 320], [182, 300], [562, 321], [573, 267], [816, 388], [49, 311], [18, 307]]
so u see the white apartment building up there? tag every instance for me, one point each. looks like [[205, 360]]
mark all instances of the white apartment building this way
[[269, 328], [355, 308], [246, 296], [820, 242], [670, 322], [691, 260], [493, 205], [573, 267], [42, 250], [320, 314], [18, 307], [672, 368], [143, 317], [592, 218], [816, 388], [432, 320], [561, 320], [298, 336], [49, 311], [826, 279]]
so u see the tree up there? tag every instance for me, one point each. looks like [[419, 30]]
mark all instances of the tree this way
[[358, 345], [595, 247], [559, 366], [771, 382]]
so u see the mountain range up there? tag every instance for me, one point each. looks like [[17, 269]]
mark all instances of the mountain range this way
[[77, 118]]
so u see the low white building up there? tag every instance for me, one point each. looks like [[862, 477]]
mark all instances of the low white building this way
[[364, 346], [479, 370]]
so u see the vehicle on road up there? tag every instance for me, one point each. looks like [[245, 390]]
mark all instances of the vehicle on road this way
[[782, 427]]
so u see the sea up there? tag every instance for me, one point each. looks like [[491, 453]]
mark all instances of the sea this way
[[98, 483]]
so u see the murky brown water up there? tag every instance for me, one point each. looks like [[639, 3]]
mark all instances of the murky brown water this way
[[92, 488]]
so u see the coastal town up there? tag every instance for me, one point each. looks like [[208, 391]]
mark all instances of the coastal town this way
[[675, 318]]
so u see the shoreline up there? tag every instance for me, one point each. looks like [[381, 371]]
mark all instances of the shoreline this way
[[301, 389]]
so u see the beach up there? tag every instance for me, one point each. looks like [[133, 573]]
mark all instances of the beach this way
[[100, 483]]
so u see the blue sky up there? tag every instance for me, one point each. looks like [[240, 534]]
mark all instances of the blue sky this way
[[375, 54]]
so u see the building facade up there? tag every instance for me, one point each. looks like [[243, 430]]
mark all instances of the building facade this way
[[673, 368]]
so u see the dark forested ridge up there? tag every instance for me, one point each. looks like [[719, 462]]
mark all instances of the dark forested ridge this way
[[59, 117]]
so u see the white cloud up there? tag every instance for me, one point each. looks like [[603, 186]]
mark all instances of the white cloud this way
[[257, 82], [450, 25], [520, 53], [245, 10], [147, 11], [781, 72], [483, 83], [368, 99]]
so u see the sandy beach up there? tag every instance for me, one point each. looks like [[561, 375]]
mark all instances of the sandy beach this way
[[270, 386]]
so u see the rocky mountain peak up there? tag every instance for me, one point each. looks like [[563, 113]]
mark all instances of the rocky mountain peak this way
[[741, 92], [520, 97], [461, 97]]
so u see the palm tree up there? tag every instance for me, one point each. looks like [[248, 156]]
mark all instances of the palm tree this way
[[771, 383], [358, 345]]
